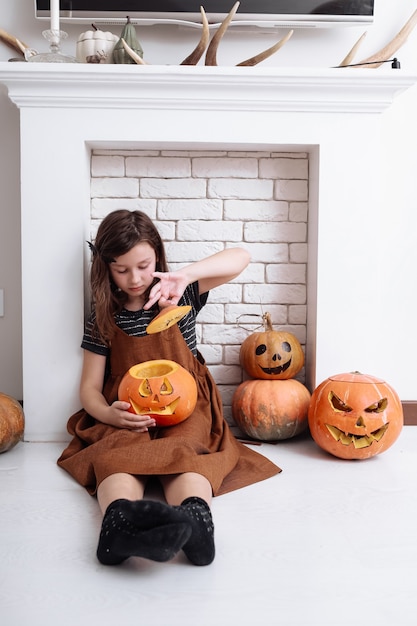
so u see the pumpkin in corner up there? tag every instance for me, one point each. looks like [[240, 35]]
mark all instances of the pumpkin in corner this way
[[12, 422]]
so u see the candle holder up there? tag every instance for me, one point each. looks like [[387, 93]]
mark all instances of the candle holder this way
[[55, 55]]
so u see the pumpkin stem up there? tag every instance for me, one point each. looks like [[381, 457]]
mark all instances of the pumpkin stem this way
[[266, 317]]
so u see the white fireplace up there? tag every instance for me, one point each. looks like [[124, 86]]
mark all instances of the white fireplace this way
[[66, 112]]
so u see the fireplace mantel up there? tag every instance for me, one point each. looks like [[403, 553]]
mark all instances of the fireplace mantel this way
[[336, 115], [347, 90]]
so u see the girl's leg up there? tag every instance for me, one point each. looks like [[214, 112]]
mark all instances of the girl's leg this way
[[119, 486], [135, 527], [177, 488], [191, 493]]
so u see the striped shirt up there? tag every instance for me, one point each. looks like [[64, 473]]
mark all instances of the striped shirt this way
[[134, 323]]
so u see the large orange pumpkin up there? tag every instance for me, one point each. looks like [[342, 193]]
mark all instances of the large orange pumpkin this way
[[271, 410], [160, 388], [355, 416], [271, 354], [12, 422]]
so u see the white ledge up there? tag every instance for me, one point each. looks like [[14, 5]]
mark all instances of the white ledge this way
[[347, 90]]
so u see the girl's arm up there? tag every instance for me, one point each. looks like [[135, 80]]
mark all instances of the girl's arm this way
[[211, 272], [95, 404], [217, 269]]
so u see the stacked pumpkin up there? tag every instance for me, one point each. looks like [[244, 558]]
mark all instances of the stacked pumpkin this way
[[271, 405]]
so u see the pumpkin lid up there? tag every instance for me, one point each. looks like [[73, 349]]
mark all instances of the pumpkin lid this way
[[167, 317], [356, 377]]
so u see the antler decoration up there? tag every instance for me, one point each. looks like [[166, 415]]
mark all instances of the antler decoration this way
[[211, 54], [12, 42], [387, 52], [196, 54], [351, 54], [267, 53]]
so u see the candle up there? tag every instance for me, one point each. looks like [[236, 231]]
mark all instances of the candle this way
[[55, 15]]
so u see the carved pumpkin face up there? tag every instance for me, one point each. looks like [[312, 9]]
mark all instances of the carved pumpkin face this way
[[271, 354], [355, 416], [160, 388]]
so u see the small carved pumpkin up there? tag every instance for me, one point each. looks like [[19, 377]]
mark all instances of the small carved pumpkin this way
[[162, 389], [271, 410], [355, 416], [271, 354], [12, 422]]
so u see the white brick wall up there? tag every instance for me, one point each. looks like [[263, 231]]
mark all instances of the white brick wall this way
[[203, 202]]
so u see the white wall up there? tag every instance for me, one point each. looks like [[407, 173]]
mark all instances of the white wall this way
[[322, 48]]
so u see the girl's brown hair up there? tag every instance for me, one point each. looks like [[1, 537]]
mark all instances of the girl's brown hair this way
[[118, 233]]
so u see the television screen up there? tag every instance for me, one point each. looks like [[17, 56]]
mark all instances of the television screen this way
[[274, 12]]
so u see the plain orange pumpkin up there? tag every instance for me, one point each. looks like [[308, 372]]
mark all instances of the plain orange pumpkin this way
[[271, 354], [355, 416], [12, 422], [271, 410], [160, 388]]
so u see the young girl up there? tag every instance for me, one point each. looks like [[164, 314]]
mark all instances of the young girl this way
[[113, 452]]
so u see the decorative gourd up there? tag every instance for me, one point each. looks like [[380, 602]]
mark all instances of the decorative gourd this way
[[355, 416], [271, 354], [12, 422], [160, 388], [271, 410], [96, 44], [129, 36], [166, 318]]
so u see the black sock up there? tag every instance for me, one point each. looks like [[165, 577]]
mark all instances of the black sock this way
[[199, 549], [146, 528]]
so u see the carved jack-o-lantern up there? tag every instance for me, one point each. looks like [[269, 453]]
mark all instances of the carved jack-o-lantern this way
[[355, 416], [271, 354], [160, 388]]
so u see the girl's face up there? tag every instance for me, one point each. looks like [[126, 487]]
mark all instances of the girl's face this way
[[132, 273]]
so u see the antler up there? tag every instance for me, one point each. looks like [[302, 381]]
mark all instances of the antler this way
[[391, 48], [267, 53], [351, 54], [134, 55], [198, 52], [211, 55], [12, 41]]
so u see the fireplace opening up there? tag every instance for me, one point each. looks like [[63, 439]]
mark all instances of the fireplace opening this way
[[205, 201]]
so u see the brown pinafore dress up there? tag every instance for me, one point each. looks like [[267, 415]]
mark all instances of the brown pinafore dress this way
[[203, 443]]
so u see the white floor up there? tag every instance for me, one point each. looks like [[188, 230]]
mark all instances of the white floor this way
[[327, 542]]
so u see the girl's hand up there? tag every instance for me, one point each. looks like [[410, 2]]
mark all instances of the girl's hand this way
[[168, 290], [120, 417]]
